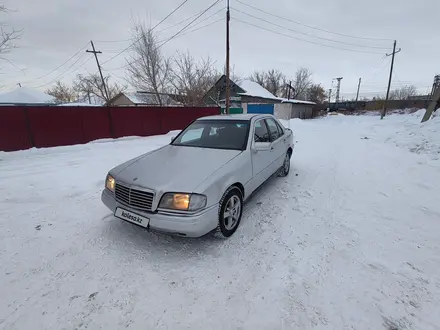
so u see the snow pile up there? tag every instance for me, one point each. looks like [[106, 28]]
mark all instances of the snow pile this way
[[25, 95], [420, 138], [401, 127]]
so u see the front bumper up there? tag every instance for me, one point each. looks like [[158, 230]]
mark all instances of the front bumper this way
[[191, 226]]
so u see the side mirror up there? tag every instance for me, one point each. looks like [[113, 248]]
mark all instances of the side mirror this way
[[261, 146]]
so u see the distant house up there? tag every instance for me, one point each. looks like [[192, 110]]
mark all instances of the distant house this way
[[26, 96], [145, 99], [249, 97]]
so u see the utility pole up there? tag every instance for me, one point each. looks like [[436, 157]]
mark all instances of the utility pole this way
[[436, 84], [289, 87], [359, 87], [228, 84], [338, 89], [99, 67], [384, 111], [329, 98], [435, 102]]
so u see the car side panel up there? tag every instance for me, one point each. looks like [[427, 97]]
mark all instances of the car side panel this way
[[238, 169]]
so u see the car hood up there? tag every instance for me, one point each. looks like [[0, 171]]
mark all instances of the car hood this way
[[173, 168]]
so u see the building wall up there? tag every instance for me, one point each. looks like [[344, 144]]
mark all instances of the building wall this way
[[283, 110], [122, 100], [302, 111], [292, 110]]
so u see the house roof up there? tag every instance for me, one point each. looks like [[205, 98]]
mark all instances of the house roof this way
[[78, 104], [25, 95], [254, 89], [283, 100], [148, 98]]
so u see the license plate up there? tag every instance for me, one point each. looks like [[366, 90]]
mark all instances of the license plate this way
[[132, 217]]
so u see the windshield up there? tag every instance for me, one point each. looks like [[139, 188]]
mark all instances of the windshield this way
[[217, 134]]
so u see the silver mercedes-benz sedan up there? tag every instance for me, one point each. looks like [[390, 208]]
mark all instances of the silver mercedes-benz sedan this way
[[198, 183]]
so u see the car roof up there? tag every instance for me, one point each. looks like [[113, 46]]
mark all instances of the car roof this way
[[241, 116]]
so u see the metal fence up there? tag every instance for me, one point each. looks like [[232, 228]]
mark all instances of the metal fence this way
[[24, 127]]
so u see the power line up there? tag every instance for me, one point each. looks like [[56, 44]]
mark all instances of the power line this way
[[178, 34], [200, 28], [207, 18], [376, 70], [312, 27], [307, 34], [166, 17], [183, 34], [190, 23], [162, 30], [308, 41], [58, 67], [66, 71]]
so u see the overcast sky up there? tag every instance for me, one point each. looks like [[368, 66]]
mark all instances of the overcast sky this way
[[54, 30]]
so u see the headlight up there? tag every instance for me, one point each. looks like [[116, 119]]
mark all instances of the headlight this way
[[110, 183], [182, 202]]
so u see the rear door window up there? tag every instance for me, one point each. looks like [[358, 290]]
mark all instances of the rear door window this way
[[261, 134], [273, 129]]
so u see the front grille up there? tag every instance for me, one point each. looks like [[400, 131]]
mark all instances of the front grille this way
[[136, 198]]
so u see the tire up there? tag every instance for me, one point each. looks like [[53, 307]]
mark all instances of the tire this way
[[231, 199], [285, 169]]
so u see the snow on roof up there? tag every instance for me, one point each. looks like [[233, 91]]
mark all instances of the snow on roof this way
[[252, 88], [78, 104], [25, 95], [283, 100], [256, 90], [149, 99]]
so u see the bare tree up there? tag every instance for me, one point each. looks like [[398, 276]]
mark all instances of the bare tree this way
[[302, 83], [403, 93], [316, 93], [193, 78], [273, 80], [259, 77], [62, 92], [91, 85], [148, 68], [7, 37]]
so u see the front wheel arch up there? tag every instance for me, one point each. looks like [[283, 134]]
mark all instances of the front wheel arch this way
[[233, 190]]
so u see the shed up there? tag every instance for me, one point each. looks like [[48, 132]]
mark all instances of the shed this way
[[290, 108]]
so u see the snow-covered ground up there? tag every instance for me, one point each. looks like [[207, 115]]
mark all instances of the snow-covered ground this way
[[350, 242]]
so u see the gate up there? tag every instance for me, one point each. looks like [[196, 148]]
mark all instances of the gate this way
[[260, 108]]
